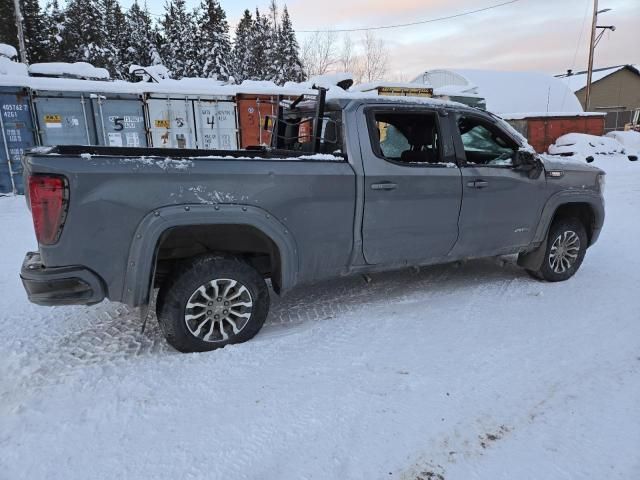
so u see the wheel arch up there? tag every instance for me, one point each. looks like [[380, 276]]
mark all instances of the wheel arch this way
[[587, 207], [213, 227]]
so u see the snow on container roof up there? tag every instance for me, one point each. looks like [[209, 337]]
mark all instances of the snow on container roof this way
[[72, 70], [8, 67], [577, 81], [507, 91], [8, 51]]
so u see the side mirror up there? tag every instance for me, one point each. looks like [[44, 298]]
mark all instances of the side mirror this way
[[524, 160]]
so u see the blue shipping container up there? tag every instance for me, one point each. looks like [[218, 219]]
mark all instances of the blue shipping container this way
[[16, 136]]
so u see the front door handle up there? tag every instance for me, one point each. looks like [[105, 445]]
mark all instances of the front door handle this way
[[384, 186], [478, 184]]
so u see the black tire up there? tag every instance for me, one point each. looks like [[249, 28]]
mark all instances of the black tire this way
[[563, 228], [185, 283]]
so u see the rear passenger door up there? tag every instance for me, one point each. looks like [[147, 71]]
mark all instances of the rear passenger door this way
[[501, 205], [412, 186]]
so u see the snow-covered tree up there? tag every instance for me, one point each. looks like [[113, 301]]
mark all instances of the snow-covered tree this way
[[34, 31], [179, 47], [214, 45], [142, 46], [241, 54], [286, 64], [53, 31], [115, 37], [83, 34], [260, 48]]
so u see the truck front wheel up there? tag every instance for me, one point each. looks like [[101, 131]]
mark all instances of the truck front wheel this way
[[210, 302], [566, 247]]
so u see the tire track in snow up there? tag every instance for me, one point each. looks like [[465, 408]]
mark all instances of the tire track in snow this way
[[111, 333]]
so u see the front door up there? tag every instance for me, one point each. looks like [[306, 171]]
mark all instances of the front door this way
[[412, 187], [501, 205]]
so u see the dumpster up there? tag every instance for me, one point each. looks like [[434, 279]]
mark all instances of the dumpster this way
[[252, 111], [64, 118], [16, 136], [170, 121], [216, 126], [119, 120]]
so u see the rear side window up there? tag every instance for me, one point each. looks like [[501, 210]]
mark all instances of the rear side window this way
[[406, 138]]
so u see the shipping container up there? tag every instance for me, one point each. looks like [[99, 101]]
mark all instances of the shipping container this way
[[119, 120], [16, 136], [216, 126], [170, 120], [252, 112], [64, 118], [542, 131]]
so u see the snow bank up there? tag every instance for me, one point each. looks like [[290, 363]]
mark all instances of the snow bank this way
[[581, 144], [74, 70], [8, 67], [8, 51]]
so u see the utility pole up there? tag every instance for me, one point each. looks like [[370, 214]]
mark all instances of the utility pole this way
[[592, 46], [22, 47]]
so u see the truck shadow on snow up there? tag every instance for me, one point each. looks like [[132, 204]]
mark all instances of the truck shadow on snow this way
[[112, 331]]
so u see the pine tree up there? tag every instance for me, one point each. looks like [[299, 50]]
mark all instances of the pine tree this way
[[142, 46], [214, 46], [287, 66], [83, 34], [8, 32], [260, 48], [53, 28], [33, 24], [179, 48], [34, 31], [114, 39], [241, 54]]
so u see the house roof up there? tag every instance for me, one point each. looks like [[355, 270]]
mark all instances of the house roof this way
[[508, 92], [578, 80]]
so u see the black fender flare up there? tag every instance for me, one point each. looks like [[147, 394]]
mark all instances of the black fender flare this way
[[143, 248], [532, 260]]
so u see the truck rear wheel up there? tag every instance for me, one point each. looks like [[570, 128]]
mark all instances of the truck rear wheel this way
[[210, 302], [566, 247]]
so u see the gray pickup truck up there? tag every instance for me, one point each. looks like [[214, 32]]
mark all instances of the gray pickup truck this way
[[349, 186]]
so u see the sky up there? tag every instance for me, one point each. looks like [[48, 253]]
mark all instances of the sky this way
[[542, 35]]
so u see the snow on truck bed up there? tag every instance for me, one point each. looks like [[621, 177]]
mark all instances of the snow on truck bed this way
[[455, 373]]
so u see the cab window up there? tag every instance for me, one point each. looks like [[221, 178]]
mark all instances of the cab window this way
[[406, 138], [484, 144]]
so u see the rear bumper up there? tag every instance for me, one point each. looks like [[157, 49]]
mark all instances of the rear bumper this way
[[59, 285]]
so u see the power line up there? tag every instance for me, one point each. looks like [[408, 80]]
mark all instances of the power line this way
[[422, 22]]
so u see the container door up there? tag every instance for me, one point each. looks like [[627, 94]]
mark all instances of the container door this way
[[16, 137], [65, 120], [252, 112], [216, 124], [119, 121], [171, 122]]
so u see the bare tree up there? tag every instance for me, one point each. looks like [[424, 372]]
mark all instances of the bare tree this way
[[319, 53], [349, 61], [375, 57]]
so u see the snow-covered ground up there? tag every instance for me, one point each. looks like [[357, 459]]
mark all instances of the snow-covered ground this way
[[468, 372]]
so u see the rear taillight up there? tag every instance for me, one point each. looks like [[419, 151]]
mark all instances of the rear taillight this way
[[47, 196]]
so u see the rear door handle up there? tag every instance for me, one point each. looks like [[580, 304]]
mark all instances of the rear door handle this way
[[478, 184], [384, 186]]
